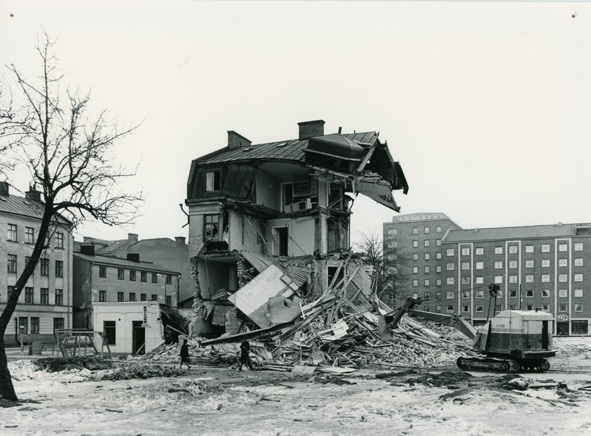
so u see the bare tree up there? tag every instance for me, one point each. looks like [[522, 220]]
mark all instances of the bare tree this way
[[386, 264], [68, 152]]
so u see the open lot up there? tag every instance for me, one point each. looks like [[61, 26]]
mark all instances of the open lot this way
[[216, 401]]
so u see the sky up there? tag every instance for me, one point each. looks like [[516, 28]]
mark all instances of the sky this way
[[486, 105]]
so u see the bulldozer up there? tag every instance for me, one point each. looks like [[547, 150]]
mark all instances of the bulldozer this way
[[509, 341]]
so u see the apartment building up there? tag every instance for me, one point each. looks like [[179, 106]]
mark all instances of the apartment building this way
[[110, 279], [164, 253], [45, 305], [542, 267]]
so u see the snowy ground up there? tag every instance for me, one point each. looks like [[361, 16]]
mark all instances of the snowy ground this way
[[219, 401]]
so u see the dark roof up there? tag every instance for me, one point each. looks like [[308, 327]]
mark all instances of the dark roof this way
[[16, 205], [291, 150], [117, 261], [504, 233], [21, 206]]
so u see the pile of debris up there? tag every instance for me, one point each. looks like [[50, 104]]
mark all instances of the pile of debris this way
[[338, 330]]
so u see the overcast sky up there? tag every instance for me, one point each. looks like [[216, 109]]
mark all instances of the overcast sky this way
[[485, 105]]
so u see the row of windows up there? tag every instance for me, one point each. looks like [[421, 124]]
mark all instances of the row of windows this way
[[415, 243], [23, 324], [480, 308], [31, 297], [131, 297], [29, 236], [133, 275], [450, 266], [529, 278], [513, 249], [530, 293], [513, 264], [415, 230], [44, 265]]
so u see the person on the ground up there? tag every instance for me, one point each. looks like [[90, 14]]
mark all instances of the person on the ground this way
[[245, 356], [185, 355]]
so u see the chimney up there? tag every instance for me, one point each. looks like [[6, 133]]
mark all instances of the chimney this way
[[236, 140], [133, 237], [87, 249], [179, 240], [134, 257], [33, 195], [309, 129], [4, 189]]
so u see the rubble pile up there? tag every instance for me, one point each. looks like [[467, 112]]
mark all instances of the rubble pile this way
[[331, 332], [143, 371]]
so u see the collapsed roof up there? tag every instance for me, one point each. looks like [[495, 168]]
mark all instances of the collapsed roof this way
[[360, 160]]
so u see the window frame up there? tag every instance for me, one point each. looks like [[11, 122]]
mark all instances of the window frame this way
[[59, 268], [29, 235], [12, 264], [44, 296], [212, 181]]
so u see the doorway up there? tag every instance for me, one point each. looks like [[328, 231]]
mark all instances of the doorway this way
[[138, 338], [282, 241]]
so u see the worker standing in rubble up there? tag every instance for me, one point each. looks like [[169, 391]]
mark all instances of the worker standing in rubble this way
[[245, 356], [185, 355]]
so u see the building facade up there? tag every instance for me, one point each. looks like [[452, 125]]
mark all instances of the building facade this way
[[107, 279], [129, 328], [544, 267], [164, 253], [45, 304]]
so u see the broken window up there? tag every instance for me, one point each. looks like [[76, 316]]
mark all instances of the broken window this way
[[211, 227], [335, 198]]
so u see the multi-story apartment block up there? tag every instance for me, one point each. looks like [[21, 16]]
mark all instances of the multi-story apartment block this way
[[45, 305], [109, 279], [281, 199], [164, 253], [542, 267]]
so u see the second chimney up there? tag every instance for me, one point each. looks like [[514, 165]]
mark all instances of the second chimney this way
[[236, 140], [33, 195], [310, 129], [179, 240], [4, 189]]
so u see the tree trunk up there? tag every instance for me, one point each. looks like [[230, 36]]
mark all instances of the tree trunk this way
[[6, 387]]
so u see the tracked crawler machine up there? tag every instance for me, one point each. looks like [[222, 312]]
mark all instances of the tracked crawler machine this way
[[510, 341]]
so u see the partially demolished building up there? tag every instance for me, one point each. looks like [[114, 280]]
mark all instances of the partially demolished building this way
[[269, 224]]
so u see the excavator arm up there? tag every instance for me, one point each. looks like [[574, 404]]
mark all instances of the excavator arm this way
[[391, 320], [450, 320]]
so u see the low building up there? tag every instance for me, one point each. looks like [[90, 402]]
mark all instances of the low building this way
[[45, 305], [132, 327]]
